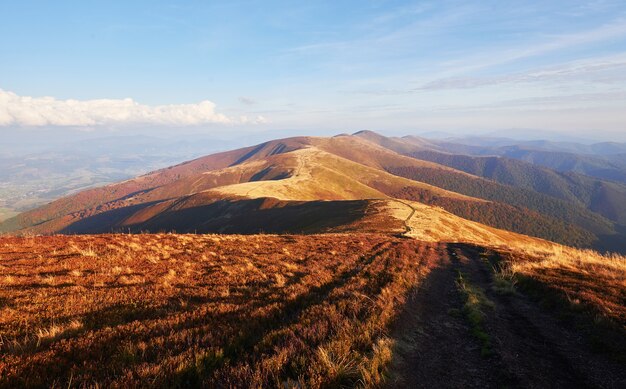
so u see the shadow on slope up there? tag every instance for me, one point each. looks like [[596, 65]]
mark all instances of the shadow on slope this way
[[242, 216]]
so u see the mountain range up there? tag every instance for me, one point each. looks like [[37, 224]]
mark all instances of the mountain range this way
[[348, 261], [363, 181]]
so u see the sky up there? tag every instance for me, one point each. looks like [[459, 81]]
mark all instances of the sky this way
[[315, 67]]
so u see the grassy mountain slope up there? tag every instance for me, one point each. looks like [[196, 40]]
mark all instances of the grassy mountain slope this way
[[307, 174], [605, 165], [573, 187], [212, 193], [126, 190], [604, 197]]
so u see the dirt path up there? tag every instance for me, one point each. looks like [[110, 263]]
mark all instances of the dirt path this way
[[436, 346], [529, 347], [407, 225], [301, 173]]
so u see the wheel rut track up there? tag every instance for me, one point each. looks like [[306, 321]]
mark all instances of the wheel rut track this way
[[436, 348], [529, 344], [530, 348]]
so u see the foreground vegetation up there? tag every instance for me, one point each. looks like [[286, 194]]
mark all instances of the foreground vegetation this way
[[173, 310], [179, 310], [584, 278]]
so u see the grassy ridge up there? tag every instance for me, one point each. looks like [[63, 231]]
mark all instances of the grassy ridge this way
[[551, 218], [504, 216]]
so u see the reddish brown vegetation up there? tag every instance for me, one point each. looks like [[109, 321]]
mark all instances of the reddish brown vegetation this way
[[177, 310], [260, 310], [584, 278]]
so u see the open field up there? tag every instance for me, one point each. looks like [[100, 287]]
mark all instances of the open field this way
[[175, 309], [587, 279], [332, 310]]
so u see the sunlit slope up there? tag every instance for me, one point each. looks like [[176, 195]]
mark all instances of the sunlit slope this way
[[127, 192], [247, 190], [593, 206], [319, 175], [288, 169], [224, 200]]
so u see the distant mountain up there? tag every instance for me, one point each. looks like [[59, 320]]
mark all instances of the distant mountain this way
[[313, 184], [529, 134], [609, 168], [601, 160], [604, 197]]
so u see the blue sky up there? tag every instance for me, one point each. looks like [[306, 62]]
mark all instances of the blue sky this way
[[391, 66]]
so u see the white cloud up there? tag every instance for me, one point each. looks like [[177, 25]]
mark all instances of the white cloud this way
[[26, 111]]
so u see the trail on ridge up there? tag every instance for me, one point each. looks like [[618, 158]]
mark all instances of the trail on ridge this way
[[529, 346]]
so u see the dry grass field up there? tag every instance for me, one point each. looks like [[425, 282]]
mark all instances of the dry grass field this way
[[584, 278], [176, 310], [168, 310]]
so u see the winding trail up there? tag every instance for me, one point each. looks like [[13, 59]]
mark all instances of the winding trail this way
[[301, 159], [407, 226]]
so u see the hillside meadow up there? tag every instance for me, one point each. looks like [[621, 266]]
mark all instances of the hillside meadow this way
[[178, 310], [173, 310]]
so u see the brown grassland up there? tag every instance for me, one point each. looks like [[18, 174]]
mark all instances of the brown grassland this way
[[171, 310], [176, 310], [586, 279]]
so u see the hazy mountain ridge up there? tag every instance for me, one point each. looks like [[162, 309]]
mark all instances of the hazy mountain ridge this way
[[212, 193], [604, 197], [603, 160]]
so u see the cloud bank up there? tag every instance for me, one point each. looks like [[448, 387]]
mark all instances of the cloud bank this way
[[25, 111]]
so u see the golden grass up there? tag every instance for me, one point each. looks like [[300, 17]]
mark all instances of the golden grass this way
[[232, 311], [317, 174], [190, 310], [585, 277]]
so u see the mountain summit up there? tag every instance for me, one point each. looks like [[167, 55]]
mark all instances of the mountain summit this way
[[364, 181]]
